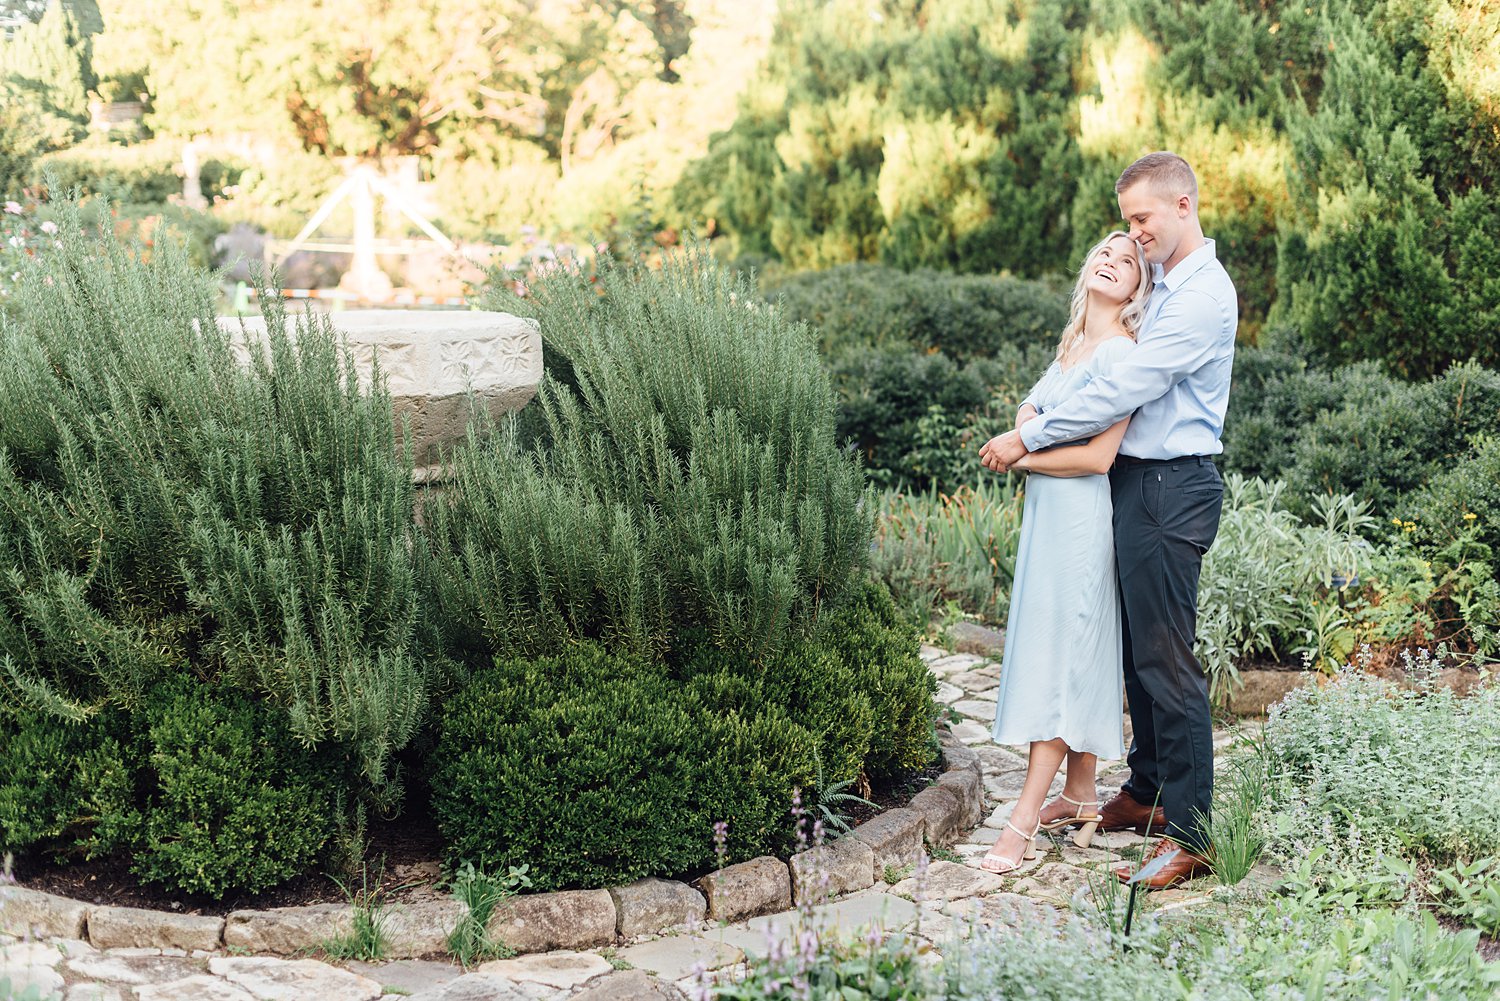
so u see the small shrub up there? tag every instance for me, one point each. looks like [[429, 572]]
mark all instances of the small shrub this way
[[234, 803], [596, 769], [59, 778]]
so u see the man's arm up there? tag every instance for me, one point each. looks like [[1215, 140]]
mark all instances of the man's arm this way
[[1085, 460], [1183, 337]]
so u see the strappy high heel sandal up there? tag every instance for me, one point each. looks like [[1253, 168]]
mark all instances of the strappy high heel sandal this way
[[1087, 823], [1028, 851]]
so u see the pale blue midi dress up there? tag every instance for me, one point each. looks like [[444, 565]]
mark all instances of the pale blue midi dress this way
[[1061, 675]]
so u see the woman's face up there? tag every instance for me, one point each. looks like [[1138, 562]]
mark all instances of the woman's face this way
[[1114, 272]]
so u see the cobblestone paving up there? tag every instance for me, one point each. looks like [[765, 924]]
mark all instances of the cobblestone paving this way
[[955, 893]]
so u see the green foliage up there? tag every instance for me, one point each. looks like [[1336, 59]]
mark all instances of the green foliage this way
[[1470, 891], [47, 64], [878, 965], [162, 504], [1249, 951], [1353, 429], [1389, 178], [142, 174], [60, 779], [858, 307], [684, 477], [481, 894], [234, 801], [1365, 772], [596, 769], [368, 938], [935, 549], [1234, 829]]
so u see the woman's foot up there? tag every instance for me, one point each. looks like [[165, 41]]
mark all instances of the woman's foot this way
[[1069, 809], [1013, 846]]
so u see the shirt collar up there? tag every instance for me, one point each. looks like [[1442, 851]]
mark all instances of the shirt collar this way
[[1186, 268]]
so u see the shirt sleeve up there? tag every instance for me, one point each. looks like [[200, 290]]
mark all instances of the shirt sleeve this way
[[1184, 336]]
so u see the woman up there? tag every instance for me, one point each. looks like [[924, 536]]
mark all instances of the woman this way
[[1060, 681]]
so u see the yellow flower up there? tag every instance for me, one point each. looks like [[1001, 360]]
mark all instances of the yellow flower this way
[[1395, 521], [1470, 516]]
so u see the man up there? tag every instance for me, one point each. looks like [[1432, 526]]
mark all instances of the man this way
[[1167, 495]]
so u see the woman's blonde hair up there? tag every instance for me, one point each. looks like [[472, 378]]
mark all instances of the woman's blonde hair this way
[[1131, 316]]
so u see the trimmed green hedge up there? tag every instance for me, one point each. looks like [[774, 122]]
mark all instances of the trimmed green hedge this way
[[597, 768]]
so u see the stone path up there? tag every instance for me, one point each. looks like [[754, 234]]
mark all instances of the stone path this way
[[953, 892]]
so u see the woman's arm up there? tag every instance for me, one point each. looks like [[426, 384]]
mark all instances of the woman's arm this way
[[1078, 460], [1024, 414]]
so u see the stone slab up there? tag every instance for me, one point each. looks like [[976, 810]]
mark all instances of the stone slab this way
[[421, 928], [959, 755], [970, 789], [136, 927], [677, 956], [948, 881], [971, 637], [483, 987], [648, 906], [977, 709], [134, 969], [894, 837], [294, 979], [199, 988], [943, 811], [872, 908], [947, 693], [956, 663], [981, 679], [94, 992], [931, 653], [760, 886], [410, 975], [27, 912], [286, 931], [832, 869], [628, 985], [971, 732], [561, 969], [565, 919], [1056, 882]]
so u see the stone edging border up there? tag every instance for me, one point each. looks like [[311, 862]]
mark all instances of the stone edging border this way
[[564, 919], [1259, 690]]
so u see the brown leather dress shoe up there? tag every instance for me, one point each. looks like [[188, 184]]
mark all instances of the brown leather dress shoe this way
[[1123, 813], [1185, 866]]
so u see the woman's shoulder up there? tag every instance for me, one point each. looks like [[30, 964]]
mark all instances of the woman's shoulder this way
[[1111, 351]]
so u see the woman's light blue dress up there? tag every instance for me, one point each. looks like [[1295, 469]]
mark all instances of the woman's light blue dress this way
[[1061, 674]]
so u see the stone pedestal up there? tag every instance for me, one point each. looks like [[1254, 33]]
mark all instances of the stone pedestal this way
[[432, 360]]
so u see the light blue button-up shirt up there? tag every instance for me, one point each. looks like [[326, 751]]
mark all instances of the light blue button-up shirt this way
[[1176, 380]]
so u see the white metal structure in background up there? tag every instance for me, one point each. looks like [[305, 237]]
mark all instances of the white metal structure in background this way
[[365, 281]]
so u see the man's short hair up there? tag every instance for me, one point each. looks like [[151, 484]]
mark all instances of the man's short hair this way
[[1168, 174]]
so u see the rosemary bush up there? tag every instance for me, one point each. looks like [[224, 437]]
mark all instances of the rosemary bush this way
[[162, 506], [680, 475]]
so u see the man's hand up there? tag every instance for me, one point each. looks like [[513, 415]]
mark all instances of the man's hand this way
[[1002, 451]]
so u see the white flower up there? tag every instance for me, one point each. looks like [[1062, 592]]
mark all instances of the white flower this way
[[49, 227], [16, 241], [14, 208]]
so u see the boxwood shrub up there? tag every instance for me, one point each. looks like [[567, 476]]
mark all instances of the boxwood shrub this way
[[597, 768]]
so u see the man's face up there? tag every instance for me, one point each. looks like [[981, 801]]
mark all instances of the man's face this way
[[1155, 222]]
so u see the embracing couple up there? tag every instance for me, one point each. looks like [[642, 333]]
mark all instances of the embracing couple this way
[[1114, 533]]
